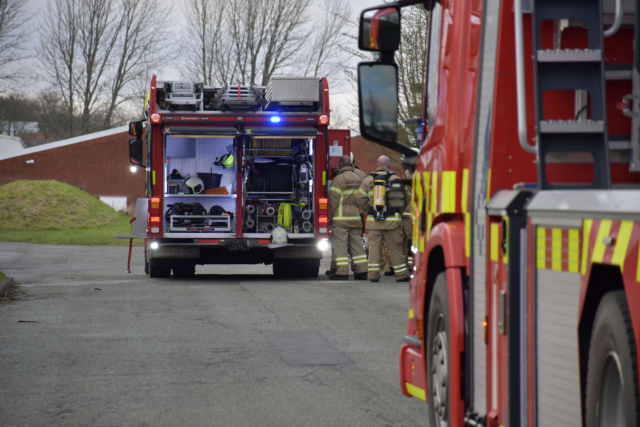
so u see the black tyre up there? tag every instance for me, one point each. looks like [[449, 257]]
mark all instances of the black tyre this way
[[184, 272], [437, 350], [612, 373], [159, 271], [296, 267], [146, 267]]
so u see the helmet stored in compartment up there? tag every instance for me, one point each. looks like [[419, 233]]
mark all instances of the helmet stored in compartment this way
[[195, 185]]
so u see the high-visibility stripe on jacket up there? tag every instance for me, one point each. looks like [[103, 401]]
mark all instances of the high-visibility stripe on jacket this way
[[365, 200], [343, 192]]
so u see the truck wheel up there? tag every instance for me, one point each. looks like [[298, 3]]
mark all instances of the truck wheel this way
[[146, 267], [159, 271], [437, 350], [612, 373], [184, 272]]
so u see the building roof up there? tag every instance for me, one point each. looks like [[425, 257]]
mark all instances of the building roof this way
[[12, 150], [10, 146], [366, 155]]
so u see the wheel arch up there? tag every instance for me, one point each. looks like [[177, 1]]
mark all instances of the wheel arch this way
[[445, 253]]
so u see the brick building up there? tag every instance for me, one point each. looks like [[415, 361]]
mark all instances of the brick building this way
[[97, 163], [366, 155]]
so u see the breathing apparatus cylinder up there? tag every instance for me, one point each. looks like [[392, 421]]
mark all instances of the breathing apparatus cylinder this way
[[379, 196]]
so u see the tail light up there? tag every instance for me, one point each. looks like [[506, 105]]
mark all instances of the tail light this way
[[323, 203], [154, 220], [324, 119], [156, 118], [323, 219], [154, 204]]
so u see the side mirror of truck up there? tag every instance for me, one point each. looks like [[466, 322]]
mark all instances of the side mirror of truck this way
[[135, 152], [135, 129], [380, 29], [378, 98]]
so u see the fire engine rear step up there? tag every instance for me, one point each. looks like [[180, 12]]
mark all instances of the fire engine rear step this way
[[572, 70]]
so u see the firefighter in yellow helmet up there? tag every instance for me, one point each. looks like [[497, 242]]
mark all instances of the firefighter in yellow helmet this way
[[383, 223], [346, 224]]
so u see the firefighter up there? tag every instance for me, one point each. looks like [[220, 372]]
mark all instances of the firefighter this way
[[334, 267], [383, 224], [356, 170], [346, 224], [407, 226]]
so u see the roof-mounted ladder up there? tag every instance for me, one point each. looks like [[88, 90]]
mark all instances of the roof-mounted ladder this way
[[569, 69]]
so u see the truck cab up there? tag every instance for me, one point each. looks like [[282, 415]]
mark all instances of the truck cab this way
[[523, 301]]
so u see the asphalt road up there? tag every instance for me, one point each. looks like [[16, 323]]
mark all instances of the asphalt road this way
[[89, 345]]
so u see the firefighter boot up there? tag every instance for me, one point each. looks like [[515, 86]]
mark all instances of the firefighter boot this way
[[361, 276]]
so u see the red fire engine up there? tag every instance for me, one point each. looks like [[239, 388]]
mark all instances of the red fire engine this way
[[235, 175], [524, 297]]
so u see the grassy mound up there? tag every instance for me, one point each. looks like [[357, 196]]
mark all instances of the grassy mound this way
[[57, 213], [52, 205]]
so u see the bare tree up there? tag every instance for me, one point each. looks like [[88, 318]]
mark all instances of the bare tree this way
[[58, 56], [16, 110], [324, 54], [142, 32], [207, 46], [14, 33], [93, 51], [411, 59]]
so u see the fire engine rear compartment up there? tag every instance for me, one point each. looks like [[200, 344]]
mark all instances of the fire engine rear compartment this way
[[272, 176]]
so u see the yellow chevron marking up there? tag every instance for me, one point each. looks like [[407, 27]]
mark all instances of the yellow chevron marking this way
[[586, 235], [600, 248], [448, 196], [416, 392], [411, 313], [505, 256], [556, 249], [433, 207], [638, 271], [467, 235], [488, 185], [622, 244], [427, 179], [574, 251], [495, 241], [541, 247], [464, 203]]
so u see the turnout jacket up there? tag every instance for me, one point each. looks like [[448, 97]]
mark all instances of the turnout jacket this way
[[360, 174], [365, 201], [343, 210]]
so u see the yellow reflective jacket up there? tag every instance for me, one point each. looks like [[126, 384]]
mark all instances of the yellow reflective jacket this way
[[343, 211], [365, 196]]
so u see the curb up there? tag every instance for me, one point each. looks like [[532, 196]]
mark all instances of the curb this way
[[4, 285]]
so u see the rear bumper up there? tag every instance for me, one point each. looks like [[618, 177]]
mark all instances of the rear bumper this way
[[412, 375], [232, 251]]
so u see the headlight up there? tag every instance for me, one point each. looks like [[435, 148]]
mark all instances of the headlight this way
[[323, 245], [154, 245]]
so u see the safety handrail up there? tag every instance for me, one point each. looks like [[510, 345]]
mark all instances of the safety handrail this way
[[520, 83], [617, 22]]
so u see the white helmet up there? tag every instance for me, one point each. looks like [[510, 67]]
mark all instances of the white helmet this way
[[195, 184], [279, 235]]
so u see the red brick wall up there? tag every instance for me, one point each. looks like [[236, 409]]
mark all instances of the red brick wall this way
[[99, 166], [366, 155]]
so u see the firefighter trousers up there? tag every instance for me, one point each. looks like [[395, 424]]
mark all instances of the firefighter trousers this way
[[407, 231], [348, 241], [393, 239]]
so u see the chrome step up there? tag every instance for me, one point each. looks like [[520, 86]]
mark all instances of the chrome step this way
[[572, 126], [570, 55]]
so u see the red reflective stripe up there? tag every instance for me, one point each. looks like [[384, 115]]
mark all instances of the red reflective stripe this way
[[264, 242], [209, 241]]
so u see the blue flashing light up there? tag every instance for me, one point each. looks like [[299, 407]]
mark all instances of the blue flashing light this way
[[275, 119]]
